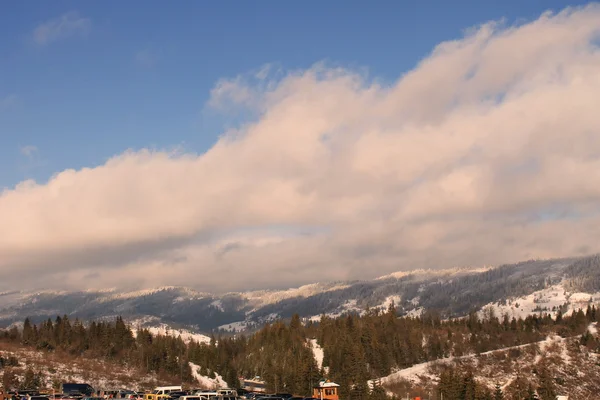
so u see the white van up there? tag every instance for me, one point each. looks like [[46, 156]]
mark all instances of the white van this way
[[203, 395], [166, 389]]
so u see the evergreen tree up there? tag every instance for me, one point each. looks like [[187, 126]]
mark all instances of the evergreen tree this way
[[546, 389], [378, 392], [28, 337], [498, 392]]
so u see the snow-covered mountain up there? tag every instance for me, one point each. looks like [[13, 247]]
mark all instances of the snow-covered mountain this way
[[516, 289]]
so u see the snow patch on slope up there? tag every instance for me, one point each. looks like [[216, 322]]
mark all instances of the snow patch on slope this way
[[185, 293], [546, 301], [238, 326], [207, 382], [185, 335], [389, 301], [262, 298], [317, 352], [422, 371], [427, 273], [218, 304]]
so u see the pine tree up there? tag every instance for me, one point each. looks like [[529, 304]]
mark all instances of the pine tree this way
[[546, 389], [498, 392], [378, 392], [28, 339], [29, 379]]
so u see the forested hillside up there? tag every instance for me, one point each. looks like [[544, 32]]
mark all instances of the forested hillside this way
[[356, 348]]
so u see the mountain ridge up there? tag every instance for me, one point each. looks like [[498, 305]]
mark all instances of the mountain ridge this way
[[452, 292]]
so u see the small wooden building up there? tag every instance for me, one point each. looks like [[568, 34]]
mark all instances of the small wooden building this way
[[326, 390]]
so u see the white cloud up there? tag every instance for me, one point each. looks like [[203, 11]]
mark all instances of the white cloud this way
[[67, 25], [459, 162], [28, 151], [248, 90]]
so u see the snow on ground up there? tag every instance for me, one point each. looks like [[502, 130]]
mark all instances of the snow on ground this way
[[418, 372], [317, 352], [576, 367], [351, 306], [389, 301], [234, 326], [218, 304], [427, 273], [262, 298], [186, 336], [546, 301], [593, 328], [187, 292], [207, 382], [415, 312], [414, 373]]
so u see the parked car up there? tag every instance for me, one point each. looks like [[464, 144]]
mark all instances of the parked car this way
[[206, 394], [178, 394]]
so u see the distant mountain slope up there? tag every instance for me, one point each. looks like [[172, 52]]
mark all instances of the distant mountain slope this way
[[452, 292]]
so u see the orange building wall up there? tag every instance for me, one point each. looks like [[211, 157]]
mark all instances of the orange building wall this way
[[328, 393]]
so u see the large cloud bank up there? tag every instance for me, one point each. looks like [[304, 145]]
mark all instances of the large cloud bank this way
[[487, 152]]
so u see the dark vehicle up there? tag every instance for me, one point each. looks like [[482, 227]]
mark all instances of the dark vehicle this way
[[178, 394], [28, 392], [38, 398], [243, 393], [284, 395], [78, 389]]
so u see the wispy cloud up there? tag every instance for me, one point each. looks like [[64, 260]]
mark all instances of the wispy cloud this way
[[30, 160], [247, 91], [474, 157], [28, 151], [67, 25]]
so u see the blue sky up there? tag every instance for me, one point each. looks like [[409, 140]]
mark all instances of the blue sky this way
[[366, 151], [138, 74]]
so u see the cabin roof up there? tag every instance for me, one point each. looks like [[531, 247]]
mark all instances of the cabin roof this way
[[327, 385]]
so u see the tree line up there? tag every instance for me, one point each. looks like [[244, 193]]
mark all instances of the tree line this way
[[357, 348]]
